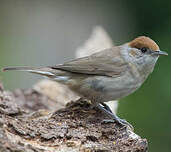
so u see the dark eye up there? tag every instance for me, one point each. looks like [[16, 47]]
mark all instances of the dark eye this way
[[143, 50]]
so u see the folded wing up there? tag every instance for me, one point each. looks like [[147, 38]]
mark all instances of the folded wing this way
[[104, 63]]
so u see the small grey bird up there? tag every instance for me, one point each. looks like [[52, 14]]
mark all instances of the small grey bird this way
[[107, 75]]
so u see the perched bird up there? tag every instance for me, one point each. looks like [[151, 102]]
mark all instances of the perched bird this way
[[106, 75]]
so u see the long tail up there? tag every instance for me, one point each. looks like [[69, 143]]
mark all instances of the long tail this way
[[45, 71]]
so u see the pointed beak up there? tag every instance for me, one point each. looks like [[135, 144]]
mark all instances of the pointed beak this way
[[159, 53]]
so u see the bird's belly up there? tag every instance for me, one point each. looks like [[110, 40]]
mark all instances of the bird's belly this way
[[102, 88]]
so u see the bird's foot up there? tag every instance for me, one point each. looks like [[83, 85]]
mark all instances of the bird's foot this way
[[121, 122], [114, 118]]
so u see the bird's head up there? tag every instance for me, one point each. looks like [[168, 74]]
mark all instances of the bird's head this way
[[142, 52], [146, 46]]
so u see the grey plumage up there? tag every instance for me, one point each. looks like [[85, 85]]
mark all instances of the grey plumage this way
[[107, 75]]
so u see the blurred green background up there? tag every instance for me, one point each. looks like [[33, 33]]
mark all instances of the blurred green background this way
[[41, 32]]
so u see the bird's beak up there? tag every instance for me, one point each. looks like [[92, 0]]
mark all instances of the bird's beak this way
[[159, 53]]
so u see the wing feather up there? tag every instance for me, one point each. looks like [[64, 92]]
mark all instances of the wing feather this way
[[104, 63]]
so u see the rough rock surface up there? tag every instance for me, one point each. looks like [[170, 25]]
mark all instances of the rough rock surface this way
[[28, 123]]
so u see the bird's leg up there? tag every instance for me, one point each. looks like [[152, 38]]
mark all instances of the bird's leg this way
[[106, 107], [114, 118]]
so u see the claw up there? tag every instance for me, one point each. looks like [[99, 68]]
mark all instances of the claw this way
[[108, 121], [123, 122], [114, 118]]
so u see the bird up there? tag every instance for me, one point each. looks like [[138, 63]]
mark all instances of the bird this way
[[109, 74]]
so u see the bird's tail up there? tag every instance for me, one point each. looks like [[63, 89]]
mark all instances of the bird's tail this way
[[45, 71]]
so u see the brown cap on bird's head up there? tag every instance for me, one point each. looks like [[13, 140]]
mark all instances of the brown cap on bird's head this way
[[144, 42]]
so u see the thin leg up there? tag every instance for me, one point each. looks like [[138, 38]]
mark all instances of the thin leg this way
[[106, 107], [114, 117]]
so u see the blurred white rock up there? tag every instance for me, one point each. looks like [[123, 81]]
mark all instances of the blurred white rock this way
[[98, 40]]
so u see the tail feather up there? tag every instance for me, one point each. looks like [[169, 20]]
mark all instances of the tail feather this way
[[42, 71], [17, 68]]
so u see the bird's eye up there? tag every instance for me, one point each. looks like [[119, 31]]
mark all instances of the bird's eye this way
[[143, 50]]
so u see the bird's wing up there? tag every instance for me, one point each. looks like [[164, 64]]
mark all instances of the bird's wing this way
[[104, 63]]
